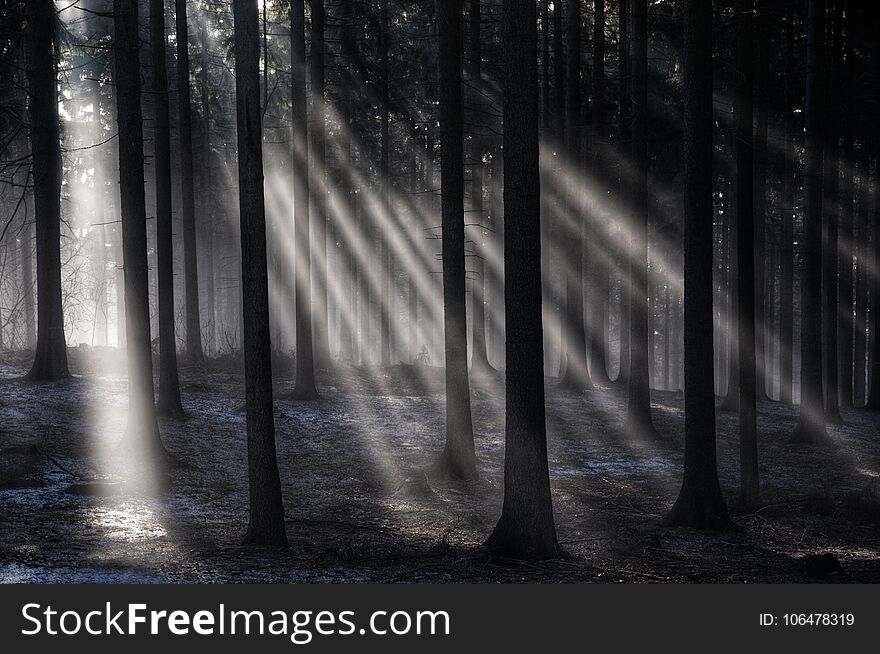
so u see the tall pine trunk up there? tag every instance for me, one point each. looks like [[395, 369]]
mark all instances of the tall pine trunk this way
[[745, 226], [700, 503], [169, 383], [305, 363], [50, 357], [458, 459], [526, 529], [811, 419], [266, 523], [143, 431], [638, 419]]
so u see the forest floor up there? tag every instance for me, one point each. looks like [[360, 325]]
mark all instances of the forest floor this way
[[362, 503]]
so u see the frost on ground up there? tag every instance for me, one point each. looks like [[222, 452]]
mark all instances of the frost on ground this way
[[362, 504]]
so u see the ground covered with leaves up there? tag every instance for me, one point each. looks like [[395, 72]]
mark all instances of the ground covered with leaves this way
[[362, 503]]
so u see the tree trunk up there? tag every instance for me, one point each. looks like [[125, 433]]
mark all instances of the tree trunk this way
[[526, 529], [266, 523], [50, 357], [745, 226], [761, 111], [845, 312], [700, 504], [811, 419], [143, 431], [873, 393], [860, 345], [169, 404], [207, 203], [638, 420], [577, 373], [458, 459], [194, 350], [624, 133], [305, 387], [318, 174], [479, 353], [830, 215], [786, 253]]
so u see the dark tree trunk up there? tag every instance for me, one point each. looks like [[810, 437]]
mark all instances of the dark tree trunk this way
[[761, 101], [624, 131], [27, 279], [305, 364], [873, 397], [143, 431], [811, 419], [526, 529], [479, 353], [830, 215], [638, 420], [577, 374], [207, 204], [194, 350], [786, 252], [318, 173], [50, 357], [458, 459], [700, 503], [266, 523], [557, 218], [745, 226], [845, 312], [386, 312], [863, 257], [169, 383], [598, 331]]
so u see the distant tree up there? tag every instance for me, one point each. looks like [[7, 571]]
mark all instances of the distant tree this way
[[811, 419], [305, 388], [700, 503], [761, 95], [142, 434], [830, 217], [638, 420], [318, 173], [846, 251], [479, 351], [169, 384], [624, 108], [50, 358], [577, 373], [458, 459], [187, 194], [526, 529], [873, 399], [786, 253], [385, 335], [745, 244], [266, 523]]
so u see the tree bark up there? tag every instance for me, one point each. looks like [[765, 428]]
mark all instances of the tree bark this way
[[305, 387], [811, 418], [638, 420], [142, 434], [169, 404], [50, 357], [458, 459], [700, 504], [266, 523], [526, 529], [786, 254]]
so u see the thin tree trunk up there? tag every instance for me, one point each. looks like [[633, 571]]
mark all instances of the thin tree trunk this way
[[786, 290], [873, 393], [143, 431], [386, 312], [625, 132], [577, 373], [830, 215], [845, 272], [169, 383], [458, 459], [638, 420], [318, 173], [305, 387], [187, 192], [761, 111], [811, 419], [745, 225]]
